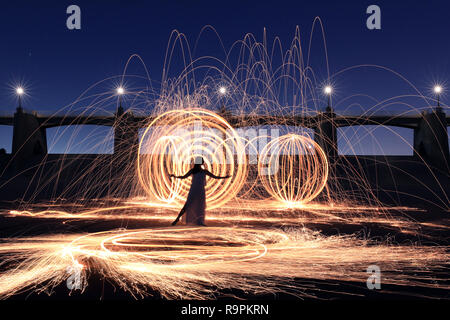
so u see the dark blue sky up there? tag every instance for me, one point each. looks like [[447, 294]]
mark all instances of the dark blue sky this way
[[56, 65]]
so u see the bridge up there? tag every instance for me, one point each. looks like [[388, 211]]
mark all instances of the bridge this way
[[410, 122], [430, 130]]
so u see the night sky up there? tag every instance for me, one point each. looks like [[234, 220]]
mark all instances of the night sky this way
[[56, 65]]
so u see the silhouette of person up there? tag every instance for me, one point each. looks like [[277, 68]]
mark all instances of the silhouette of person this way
[[194, 208]]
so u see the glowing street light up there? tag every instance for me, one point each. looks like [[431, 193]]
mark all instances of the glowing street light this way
[[438, 90], [120, 91], [223, 90], [20, 91], [328, 90]]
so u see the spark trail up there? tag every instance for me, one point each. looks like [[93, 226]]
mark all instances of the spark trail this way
[[191, 262]]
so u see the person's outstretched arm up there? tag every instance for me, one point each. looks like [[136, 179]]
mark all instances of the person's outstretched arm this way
[[214, 176], [181, 177]]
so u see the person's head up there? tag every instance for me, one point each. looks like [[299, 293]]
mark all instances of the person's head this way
[[198, 162]]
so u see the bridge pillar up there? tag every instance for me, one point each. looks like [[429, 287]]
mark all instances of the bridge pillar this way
[[431, 139], [126, 142], [224, 113], [29, 138], [325, 134]]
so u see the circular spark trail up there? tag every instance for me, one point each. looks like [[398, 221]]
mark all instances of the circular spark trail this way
[[293, 169], [174, 139], [190, 247]]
